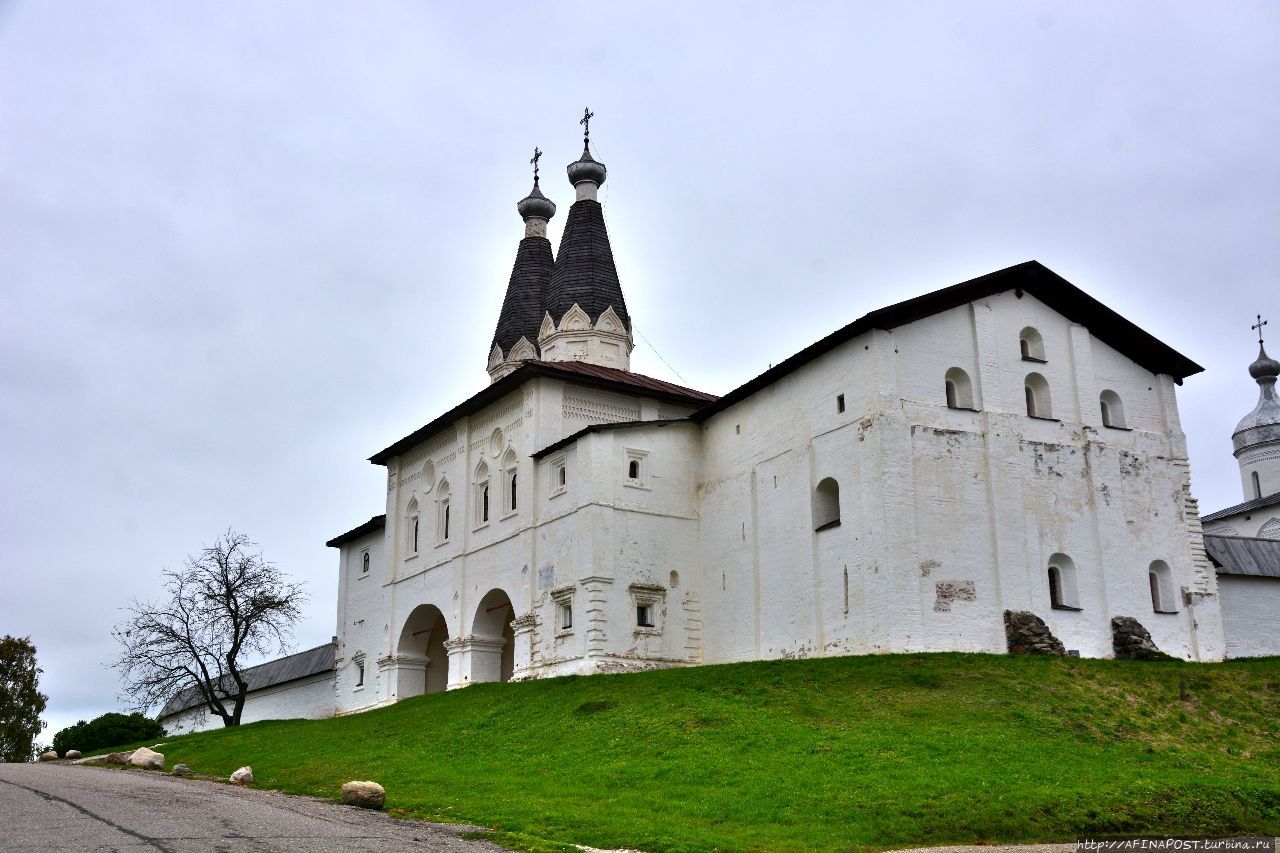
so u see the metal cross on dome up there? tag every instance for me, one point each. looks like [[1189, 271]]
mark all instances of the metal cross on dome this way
[[1258, 327], [587, 116], [537, 155]]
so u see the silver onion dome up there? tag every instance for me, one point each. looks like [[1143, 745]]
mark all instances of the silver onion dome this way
[[586, 168], [1265, 366], [1263, 423], [535, 204]]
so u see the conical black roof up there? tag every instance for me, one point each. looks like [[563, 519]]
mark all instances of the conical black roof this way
[[522, 308], [584, 271]]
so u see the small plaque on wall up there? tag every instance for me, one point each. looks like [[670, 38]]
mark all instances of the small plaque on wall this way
[[546, 577]]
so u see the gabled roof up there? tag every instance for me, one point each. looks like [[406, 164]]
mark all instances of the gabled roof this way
[[378, 522], [264, 675], [570, 439], [521, 314], [1244, 555], [1029, 277], [1256, 503], [607, 378], [584, 273]]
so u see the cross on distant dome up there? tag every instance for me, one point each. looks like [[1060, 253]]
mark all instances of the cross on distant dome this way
[[587, 116], [537, 155], [1258, 327]]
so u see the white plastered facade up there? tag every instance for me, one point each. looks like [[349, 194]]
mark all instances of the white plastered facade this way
[[706, 550], [304, 698]]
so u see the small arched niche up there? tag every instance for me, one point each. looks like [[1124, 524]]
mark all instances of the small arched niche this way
[[1031, 345], [1036, 388], [1112, 409], [1063, 592], [959, 389], [1163, 596], [826, 504]]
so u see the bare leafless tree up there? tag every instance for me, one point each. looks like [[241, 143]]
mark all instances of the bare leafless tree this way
[[225, 605]]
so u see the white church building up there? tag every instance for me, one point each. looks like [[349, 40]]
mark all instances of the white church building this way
[[1004, 444]]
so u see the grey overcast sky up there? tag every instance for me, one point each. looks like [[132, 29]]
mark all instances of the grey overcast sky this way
[[244, 245]]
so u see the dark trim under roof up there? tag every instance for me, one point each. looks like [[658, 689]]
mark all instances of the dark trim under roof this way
[[1030, 277], [570, 439], [270, 674], [1244, 555], [608, 378], [378, 522], [1256, 503]]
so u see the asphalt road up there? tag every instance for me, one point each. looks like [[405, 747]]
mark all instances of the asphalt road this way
[[61, 807]]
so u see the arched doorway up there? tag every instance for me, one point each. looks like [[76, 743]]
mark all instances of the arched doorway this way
[[421, 660], [493, 639]]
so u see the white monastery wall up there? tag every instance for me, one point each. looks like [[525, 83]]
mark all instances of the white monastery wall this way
[[1252, 603], [307, 698], [1262, 523], [948, 517]]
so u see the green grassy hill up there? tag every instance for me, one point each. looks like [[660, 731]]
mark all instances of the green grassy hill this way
[[836, 754]]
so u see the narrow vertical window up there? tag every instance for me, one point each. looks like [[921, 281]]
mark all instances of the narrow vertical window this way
[[566, 617], [563, 476], [840, 403], [364, 563], [415, 534], [484, 503], [846, 590], [951, 395], [1055, 587], [513, 491], [1257, 485], [446, 520], [360, 674]]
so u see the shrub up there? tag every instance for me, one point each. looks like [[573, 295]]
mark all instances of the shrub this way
[[108, 730]]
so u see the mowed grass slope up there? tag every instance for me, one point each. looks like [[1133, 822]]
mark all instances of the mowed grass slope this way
[[847, 753]]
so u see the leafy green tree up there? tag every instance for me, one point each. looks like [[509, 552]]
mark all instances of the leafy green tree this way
[[21, 702], [111, 729]]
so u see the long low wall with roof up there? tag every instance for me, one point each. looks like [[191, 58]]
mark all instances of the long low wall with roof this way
[[1249, 608], [310, 698]]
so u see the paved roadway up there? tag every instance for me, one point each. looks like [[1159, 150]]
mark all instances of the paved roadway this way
[[61, 807]]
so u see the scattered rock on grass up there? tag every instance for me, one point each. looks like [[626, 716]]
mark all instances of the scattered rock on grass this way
[[147, 758], [48, 756], [72, 754], [366, 795], [242, 776], [1027, 634], [118, 757], [1131, 641], [181, 770]]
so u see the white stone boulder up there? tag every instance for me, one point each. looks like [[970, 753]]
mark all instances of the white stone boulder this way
[[147, 758], [48, 756], [72, 754], [243, 776], [366, 795]]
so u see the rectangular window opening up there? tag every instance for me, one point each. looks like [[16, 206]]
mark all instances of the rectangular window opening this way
[[840, 403]]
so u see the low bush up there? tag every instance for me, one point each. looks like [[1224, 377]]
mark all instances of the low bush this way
[[107, 730]]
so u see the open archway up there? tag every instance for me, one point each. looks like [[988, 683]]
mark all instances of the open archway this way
[[422, 639], [493, 642]]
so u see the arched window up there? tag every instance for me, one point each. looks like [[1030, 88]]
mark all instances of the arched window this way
[[509, 480], [959, 389], [1037, 391], [826, 504], [482, 494], [1031, 345], [411, 527], [1062, 583], [1160, 578], [364, 563], [1112, 409], [443, 512], [1257, 484], [633, 469], [674, 579]]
